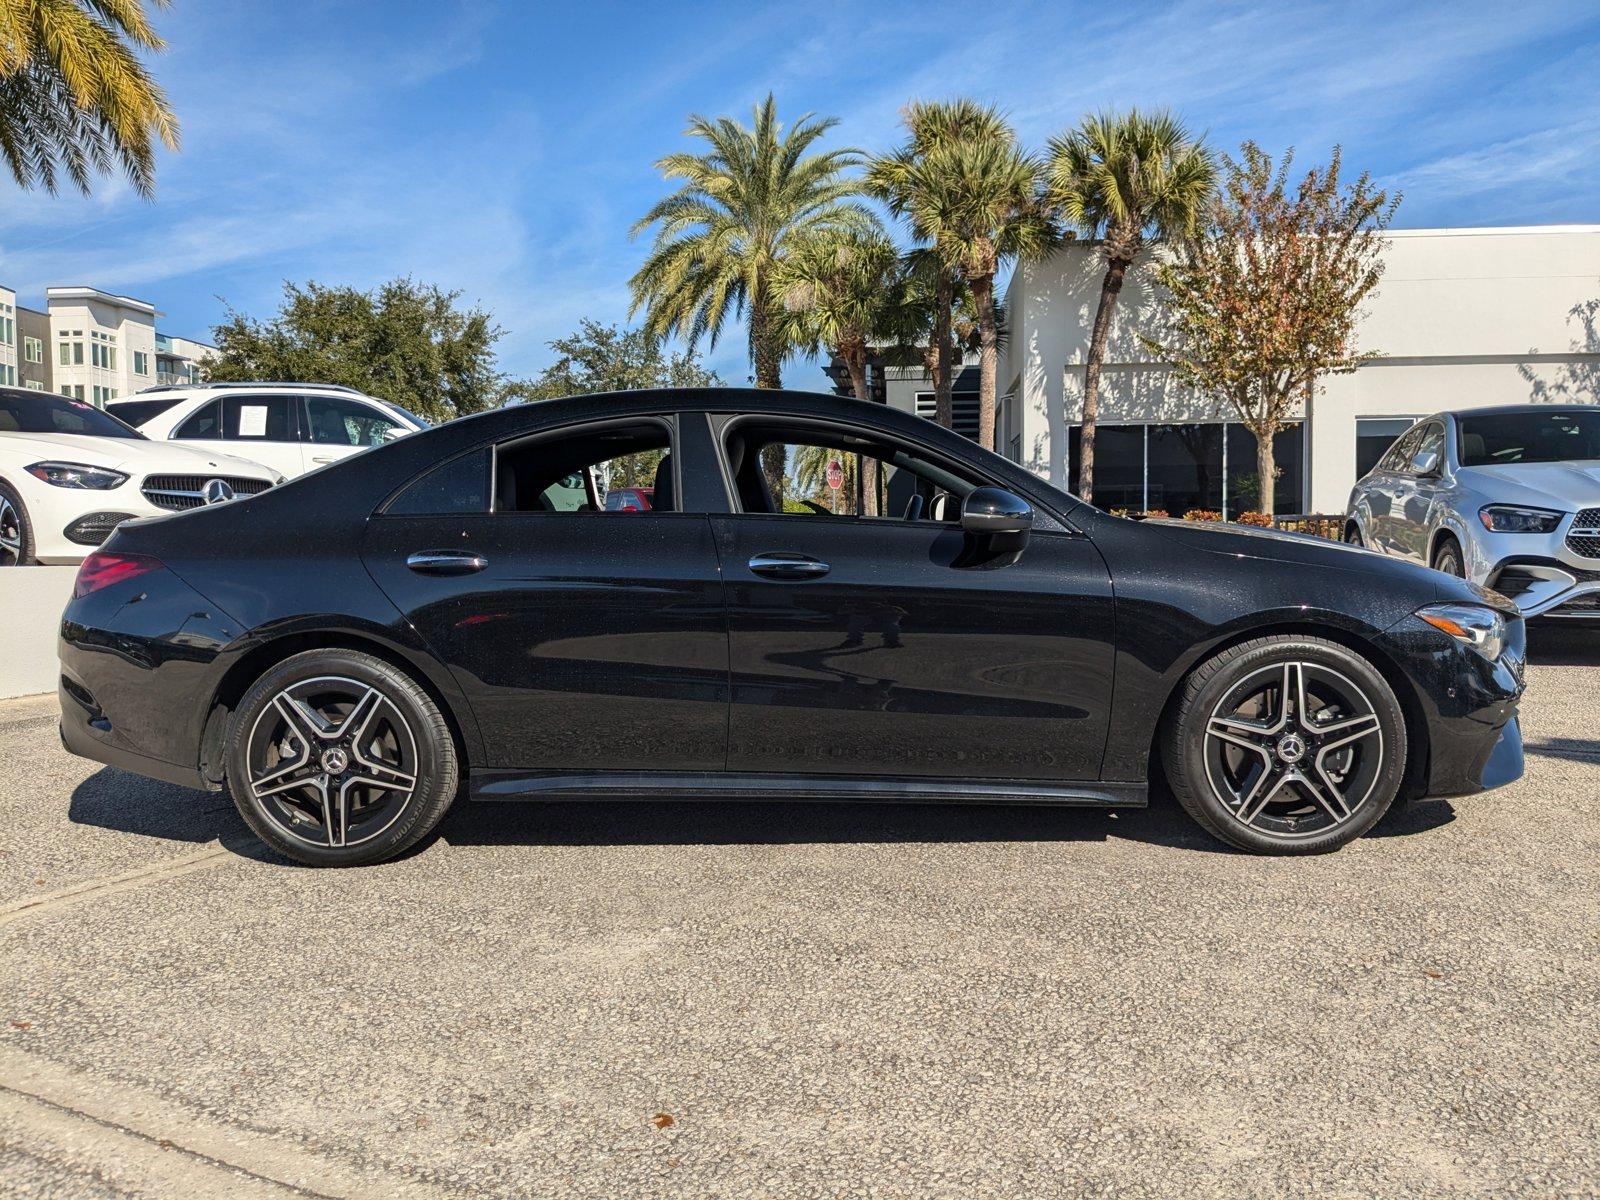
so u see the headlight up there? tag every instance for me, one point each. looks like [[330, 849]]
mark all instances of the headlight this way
[[1481, 628], [1511, 518], [77, 475]]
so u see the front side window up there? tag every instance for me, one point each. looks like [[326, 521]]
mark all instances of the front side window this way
[[1429, 451], [815, 474], [1400, 453], [577, 472], [1559, 435], [338, 422]]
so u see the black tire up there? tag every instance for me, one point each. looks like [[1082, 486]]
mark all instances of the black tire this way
[[16, 530], [1352, 535], [1219, 783], [361, 812], [1447, 558]]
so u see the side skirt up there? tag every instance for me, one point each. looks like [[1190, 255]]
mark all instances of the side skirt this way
[[646, 785]]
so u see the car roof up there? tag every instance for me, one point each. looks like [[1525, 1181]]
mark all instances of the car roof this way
[[1506, 410], [248, 385]]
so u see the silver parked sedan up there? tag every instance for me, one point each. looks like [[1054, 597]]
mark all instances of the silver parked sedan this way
[[1506, 497]]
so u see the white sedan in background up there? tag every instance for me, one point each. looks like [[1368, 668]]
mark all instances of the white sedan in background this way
[[290, 427], [70, 474]]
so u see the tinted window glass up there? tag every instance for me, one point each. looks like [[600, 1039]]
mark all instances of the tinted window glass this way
[[1400, 453], [801, 476], [137, 412], [338, 422], [1432, 443], [28, 413], [204, 422], [1564, 435], [258, 418], [458, 486], [574, 473]]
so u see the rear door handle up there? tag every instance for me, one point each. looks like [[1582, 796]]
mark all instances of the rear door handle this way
[[784, 564], [446, 562], [323, 458]]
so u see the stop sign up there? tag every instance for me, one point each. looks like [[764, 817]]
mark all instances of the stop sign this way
[[835, 475]]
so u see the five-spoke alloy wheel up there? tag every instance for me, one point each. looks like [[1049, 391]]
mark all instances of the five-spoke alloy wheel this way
[[1287, 745], [337, 758], [15, 537]]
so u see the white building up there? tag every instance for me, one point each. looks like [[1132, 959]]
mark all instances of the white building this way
[[103, 346], [9, 372], [1463, 318]]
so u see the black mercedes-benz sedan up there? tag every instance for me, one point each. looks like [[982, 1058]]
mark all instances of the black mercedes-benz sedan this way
[[825, 600]]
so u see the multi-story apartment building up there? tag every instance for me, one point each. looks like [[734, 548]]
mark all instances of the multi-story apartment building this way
[[33, 350], [8, 338]]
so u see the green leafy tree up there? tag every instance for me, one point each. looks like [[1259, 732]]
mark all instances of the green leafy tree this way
[[74, 95], [743, 205], [1128, 180], [915, 182], [1267, 295], [839, 291], [406, 342], [970, 191], [604, 358]]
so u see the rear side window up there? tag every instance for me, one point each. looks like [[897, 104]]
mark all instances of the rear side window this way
[[452, 488], [137, 412], [204, 422], [258, 419]]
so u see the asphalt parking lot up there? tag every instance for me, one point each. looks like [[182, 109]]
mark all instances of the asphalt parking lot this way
[[688, 999]]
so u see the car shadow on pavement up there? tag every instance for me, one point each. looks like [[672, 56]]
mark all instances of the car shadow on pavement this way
[[116, 800], [1555, 644]]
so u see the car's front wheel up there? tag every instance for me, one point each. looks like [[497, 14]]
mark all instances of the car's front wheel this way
[[336, 758], [1352, 534], [16, 535], [1447, 558], [1286, 745]]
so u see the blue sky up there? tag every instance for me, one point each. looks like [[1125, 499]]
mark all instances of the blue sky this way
[[505, 148]]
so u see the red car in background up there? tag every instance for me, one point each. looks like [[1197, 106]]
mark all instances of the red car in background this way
[[629, 499]]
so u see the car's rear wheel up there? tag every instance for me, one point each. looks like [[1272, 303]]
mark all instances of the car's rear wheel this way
[[1286, 745], [1447, 558], [336, 758], [16, 534]]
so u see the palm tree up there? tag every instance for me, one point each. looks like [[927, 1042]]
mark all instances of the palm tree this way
[[742, 207], [914, 182], [839, 290], [1129, 179], [74, 96]]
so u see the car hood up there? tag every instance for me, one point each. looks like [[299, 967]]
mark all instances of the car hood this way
[[135, 456], [1547, 485], [1249, 541]]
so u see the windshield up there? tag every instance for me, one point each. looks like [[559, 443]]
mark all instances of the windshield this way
[[44, 413], [1560, 435], [422, 422]]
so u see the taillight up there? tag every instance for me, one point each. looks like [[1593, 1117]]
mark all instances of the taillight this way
[[101, 570]]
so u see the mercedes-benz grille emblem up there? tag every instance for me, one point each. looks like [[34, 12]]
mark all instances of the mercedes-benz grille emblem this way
[[216, 491]]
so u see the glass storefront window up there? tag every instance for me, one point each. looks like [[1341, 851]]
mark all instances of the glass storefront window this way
[[1176, 468]]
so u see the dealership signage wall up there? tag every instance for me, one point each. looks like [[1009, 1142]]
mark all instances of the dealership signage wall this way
[[31, 600]]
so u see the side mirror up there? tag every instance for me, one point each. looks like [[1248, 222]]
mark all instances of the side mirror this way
[[991, 510], [1426, 464]]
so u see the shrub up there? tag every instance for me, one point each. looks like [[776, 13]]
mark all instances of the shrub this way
[[1259, 519], [1202, 514]]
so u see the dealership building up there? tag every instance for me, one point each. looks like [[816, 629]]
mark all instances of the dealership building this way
[[1462, 319]]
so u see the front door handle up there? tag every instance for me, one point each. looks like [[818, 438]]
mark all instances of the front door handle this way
[[784, 564], [323, 458], [446, 562]]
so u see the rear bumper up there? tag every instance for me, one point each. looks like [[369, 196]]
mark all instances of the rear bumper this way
[[93, 738]]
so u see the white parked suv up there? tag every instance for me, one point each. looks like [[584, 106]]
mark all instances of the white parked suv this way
[[290, 427], [70, 474]]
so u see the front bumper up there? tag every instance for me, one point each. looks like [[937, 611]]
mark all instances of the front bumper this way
[[1545, 587], [1467, 704]]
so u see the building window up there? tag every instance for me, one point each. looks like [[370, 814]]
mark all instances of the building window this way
[[1374, 435], [8, 329], [35, 384], [141, 363], [964, 411], [1175, 468], [33, 349]]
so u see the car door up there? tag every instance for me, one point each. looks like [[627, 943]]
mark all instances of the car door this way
[[585, 640], [1423, 483], [878, 645], [1384, 491], [337, 427], [264, 428]]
